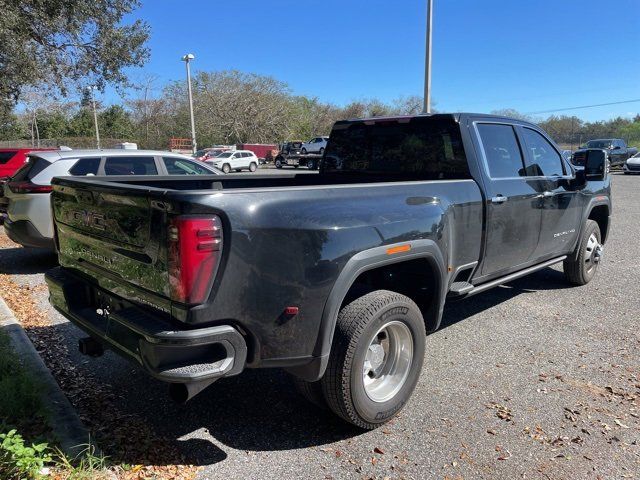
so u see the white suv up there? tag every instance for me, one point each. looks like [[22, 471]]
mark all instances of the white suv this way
[[315, 145], [29, 220], [238, 160]]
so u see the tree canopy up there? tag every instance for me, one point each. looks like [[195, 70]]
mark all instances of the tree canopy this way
[[56, 43]]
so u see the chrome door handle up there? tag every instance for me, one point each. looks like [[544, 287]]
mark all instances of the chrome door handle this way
[[546, 195], [499, 199]]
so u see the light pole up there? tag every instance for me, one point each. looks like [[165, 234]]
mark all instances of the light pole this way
[[186, 59], [95, 115], [427, 62]]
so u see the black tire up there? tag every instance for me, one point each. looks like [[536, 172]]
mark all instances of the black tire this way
[[253, 167], [311, 391], [582, 265], [311, 165], [304, 151], [226, 168], [278, 163], [359, 324], [321, 150]]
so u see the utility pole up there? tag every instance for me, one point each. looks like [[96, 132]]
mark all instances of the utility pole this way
[[186, 59], [95, 115], [427, 63]]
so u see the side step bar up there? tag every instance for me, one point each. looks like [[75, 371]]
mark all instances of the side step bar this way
[[465, 291]]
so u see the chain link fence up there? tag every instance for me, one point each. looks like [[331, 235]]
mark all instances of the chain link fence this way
[[72, 142]]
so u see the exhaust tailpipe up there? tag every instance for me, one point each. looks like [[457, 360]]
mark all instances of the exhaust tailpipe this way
[[181, 393]]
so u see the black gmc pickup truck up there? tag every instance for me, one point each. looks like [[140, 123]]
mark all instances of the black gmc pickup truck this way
[[337, 276]]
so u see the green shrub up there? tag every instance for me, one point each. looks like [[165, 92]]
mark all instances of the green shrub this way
[[19, 461]]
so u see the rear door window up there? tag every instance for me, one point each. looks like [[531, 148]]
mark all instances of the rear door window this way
[[6, 156], [501, 149], [86, 166], [130, 166], [542, 158]]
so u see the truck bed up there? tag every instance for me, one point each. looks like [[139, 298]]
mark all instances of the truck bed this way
[[242, 181]]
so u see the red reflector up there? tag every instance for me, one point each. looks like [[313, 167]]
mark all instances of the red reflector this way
[[195, 247], [291, 311], [28, 187]]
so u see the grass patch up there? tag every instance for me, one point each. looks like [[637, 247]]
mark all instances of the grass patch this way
[[22, 412], [21, 405]]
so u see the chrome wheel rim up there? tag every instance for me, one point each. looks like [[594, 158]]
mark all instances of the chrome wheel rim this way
[[593, 252], [388, 361]]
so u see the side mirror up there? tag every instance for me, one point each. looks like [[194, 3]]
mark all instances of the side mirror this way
[[590, 165]]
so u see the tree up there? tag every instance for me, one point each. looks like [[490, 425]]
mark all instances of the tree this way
[[58, 43], [10, 126], [115, 122], [511, 113]]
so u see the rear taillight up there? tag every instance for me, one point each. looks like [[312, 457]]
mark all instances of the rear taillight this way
[[28, 187], [195, 249]]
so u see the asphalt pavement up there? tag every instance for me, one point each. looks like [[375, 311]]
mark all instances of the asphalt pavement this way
[[535, 379]]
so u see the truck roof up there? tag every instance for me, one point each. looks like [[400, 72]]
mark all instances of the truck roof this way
[[456, 116]]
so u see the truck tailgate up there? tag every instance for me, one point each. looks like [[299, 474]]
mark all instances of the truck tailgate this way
[[115, 234]]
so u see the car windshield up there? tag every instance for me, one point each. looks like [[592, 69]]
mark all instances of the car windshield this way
[[599, 144], [224, 155], [637, 155]]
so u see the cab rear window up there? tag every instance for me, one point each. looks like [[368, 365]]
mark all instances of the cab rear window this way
[[426, 148]]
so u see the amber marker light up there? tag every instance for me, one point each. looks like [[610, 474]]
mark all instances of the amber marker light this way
[[398, 249]]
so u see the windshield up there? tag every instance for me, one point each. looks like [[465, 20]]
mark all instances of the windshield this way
[[224, 155], [429, 148], [637, 155], [599, 144]]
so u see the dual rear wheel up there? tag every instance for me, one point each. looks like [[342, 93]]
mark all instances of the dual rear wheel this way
[[375, 362]]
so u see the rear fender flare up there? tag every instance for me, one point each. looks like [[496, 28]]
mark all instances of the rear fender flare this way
[[368, 260], [593, 203]]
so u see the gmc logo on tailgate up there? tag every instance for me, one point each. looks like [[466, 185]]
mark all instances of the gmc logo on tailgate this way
[[89, 219]]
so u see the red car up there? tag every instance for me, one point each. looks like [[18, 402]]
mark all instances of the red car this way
[[11, 159]]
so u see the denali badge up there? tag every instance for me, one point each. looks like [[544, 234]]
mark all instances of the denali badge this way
[[559, 234]]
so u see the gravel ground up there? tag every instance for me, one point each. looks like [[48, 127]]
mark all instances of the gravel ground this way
[[535, 379]]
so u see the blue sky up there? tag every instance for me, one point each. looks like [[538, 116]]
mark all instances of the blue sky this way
[[529, 55]]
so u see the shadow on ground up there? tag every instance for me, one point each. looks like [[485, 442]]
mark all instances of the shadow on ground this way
[[26, 261], [258, 410]]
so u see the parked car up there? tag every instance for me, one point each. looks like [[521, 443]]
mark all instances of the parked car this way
[[335, 277], [315, 145], [209, 153], [28, 221], [616, 149], [238, 161], [11, 159], [632, 165]]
